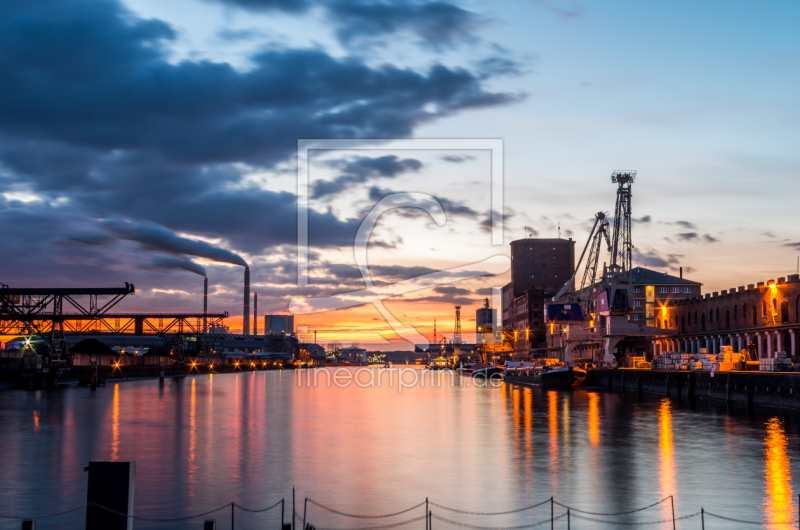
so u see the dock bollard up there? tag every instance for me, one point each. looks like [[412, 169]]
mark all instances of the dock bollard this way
[[161, 372], [210, 524], [29, 524]]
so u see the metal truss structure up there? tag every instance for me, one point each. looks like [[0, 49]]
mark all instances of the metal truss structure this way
[[40, 312]]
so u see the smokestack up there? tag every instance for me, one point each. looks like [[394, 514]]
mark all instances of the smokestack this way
[[205, 305], [255, 313], [681, 272], [246, 315]]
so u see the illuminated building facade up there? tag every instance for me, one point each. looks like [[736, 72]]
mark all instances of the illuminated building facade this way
[[764, 316]]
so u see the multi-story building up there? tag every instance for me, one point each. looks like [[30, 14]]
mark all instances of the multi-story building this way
[[539, 268], [653, 291], [544, 264]]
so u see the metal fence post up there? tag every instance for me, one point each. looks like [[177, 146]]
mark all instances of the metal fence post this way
[[426, 514], [672, 502], [293, 509], [702, 519], [305, 508], [232, 505], [552, 521]]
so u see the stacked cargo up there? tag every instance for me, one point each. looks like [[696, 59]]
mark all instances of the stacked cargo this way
[[694, 361], [778, 364]]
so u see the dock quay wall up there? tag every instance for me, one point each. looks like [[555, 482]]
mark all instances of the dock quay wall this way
[[781, 389]]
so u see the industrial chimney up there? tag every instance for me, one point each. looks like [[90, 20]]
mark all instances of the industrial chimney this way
[[205, 305], [246, 315], [255, 313]]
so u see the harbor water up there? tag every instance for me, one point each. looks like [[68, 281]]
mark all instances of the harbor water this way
[[374, 446]]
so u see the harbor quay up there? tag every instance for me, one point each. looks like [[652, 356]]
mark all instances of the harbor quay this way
[[743, 387]]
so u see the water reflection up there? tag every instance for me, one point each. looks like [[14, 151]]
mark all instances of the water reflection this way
[[778, 506], [192, 438], [36, 422], [666, 473], [594, 418], [552, 397], [115, 425]]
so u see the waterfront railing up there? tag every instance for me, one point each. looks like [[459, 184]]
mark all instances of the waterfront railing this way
[[572, 516]]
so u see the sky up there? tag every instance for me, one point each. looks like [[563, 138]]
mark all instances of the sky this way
[[156, 142]]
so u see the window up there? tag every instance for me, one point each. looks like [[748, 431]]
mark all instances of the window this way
[[533, 276], [763, 309], [663, 290], [536, 306], [717, 316], [710, 316], [637, 289], [555, 275], [687, 290], [735, 312], [676, 289], [636, 317], [637, 303]]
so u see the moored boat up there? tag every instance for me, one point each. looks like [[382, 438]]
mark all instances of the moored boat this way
[[562, 377]]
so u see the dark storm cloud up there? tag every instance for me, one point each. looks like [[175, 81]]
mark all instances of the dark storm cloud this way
[[113, 89], [437, 23], [644, 219], [94, 118], [360, 169]]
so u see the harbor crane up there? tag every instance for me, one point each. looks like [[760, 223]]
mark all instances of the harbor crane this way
[[597, 311]]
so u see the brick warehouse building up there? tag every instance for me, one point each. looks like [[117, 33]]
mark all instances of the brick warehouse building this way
[[539, 268], [766, 315]]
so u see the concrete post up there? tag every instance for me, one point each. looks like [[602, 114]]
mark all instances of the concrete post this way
[[769, 344], [779, 341], [739, 342], [792, 349], [760, 343], [655, 349]]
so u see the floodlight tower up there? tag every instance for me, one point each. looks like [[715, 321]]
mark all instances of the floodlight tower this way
[[622, 244]]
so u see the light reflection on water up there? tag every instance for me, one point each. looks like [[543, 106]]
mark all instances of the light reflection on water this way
[[666, 454], [779, 502], [204, 441]]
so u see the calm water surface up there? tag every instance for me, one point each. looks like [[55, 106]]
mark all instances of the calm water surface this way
[[201, 442]]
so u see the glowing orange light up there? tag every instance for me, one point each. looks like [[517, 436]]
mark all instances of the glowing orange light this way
[[594, 419], [778, 479]]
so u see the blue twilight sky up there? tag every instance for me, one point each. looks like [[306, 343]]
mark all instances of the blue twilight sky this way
[[143, 140]]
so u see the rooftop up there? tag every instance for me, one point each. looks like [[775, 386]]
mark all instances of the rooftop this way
[[651, 277]]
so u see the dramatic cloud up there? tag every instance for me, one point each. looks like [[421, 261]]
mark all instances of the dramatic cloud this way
[[360, 169], [437, 23]]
